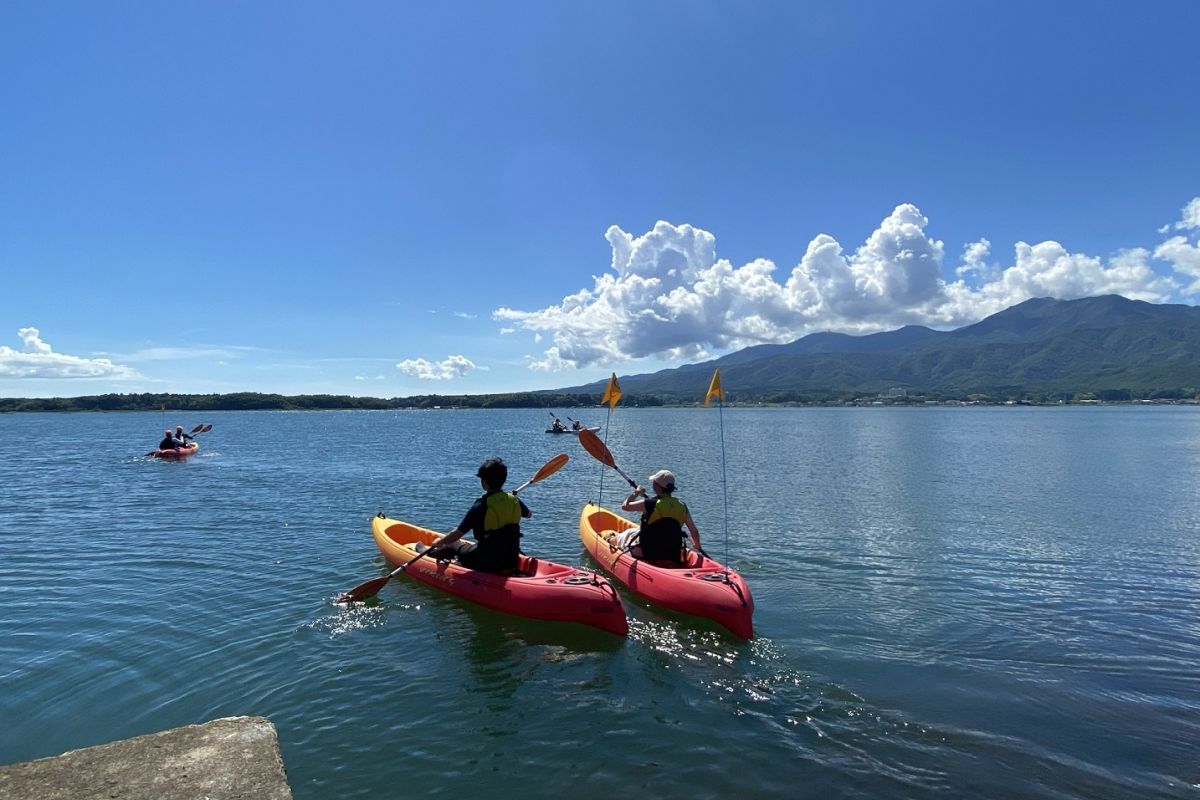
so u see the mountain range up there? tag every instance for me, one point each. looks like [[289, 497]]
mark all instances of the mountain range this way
[[1109, 346]]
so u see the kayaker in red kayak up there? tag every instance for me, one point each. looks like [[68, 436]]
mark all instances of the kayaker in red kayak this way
[[170, 441], [660, 537], [495, 520], [184, 438]]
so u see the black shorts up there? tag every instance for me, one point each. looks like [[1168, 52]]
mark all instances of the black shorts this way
[[487, 558]]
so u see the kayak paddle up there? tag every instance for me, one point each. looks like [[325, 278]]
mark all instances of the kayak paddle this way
[[599, 451], [371, 588]]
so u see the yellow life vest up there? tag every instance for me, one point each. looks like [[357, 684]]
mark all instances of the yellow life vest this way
[[502, 511]]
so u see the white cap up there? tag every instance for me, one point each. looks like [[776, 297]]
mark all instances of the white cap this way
[[664, 478]]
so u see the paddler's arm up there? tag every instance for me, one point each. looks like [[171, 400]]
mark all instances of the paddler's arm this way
[[474, 514], [633, 502], [691, 526], [448, 538]]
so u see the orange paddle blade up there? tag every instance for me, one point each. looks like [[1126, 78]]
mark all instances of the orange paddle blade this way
[[550, 467], [598, 450], [364, 590]]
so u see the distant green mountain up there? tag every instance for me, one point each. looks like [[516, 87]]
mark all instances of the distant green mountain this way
[[1108, 346]]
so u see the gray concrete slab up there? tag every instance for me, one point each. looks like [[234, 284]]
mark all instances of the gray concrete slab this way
[[236, 758]]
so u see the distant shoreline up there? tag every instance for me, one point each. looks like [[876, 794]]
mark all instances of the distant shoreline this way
[[254, 401]]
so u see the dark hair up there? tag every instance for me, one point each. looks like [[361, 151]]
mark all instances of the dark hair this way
[[494, 473]]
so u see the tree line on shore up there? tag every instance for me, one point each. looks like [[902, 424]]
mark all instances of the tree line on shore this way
[[257, 401]]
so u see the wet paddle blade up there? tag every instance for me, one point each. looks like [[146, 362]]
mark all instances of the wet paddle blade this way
[[364, 590], [198, 428]]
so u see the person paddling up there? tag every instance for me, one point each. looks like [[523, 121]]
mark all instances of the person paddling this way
[[170, 441], [181, 436], [660, 537], [494, 519]]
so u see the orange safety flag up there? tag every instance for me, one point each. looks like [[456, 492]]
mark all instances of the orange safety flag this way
[[714, 388], [612, 393]]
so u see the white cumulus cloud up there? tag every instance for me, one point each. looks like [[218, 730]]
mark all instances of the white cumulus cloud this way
[[1181, 252], [668, 295], [1190, 218], [37, 359], [448, 369]]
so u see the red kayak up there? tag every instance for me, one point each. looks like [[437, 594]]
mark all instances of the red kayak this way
[[177, 453], [702, 586], [540, 590]]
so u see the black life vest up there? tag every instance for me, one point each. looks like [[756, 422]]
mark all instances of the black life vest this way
[[661, 536]]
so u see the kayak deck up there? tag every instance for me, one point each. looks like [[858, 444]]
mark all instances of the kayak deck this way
[[541, 589], [702, 587]]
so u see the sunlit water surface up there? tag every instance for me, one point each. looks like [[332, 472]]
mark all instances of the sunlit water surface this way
[[986, 602]]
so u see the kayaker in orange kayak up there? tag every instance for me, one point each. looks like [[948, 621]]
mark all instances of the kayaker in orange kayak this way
[[181, 436], [660, 537], [170, 441], [495, 520]]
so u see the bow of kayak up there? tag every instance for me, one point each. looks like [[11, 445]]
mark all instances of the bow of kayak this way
[[703, 587], [542, 590]]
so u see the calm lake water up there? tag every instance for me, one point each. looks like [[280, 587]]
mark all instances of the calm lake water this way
[[987, 602]]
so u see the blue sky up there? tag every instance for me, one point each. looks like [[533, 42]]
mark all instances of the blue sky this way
[[388, 199]]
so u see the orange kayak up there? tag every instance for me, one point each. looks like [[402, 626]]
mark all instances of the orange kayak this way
[[702, 587], [543, 589], [177, 454]]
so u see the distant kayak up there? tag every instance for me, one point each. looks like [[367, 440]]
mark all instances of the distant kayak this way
[[572, 430], [177, 454], [703, 587], [543, 589]]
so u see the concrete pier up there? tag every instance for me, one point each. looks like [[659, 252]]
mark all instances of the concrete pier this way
[[236, 758]]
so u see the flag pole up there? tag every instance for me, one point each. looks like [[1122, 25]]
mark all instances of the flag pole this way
[[715, 390], [612, 393]]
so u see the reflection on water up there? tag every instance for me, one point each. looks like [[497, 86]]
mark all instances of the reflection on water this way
[[950, 603]]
